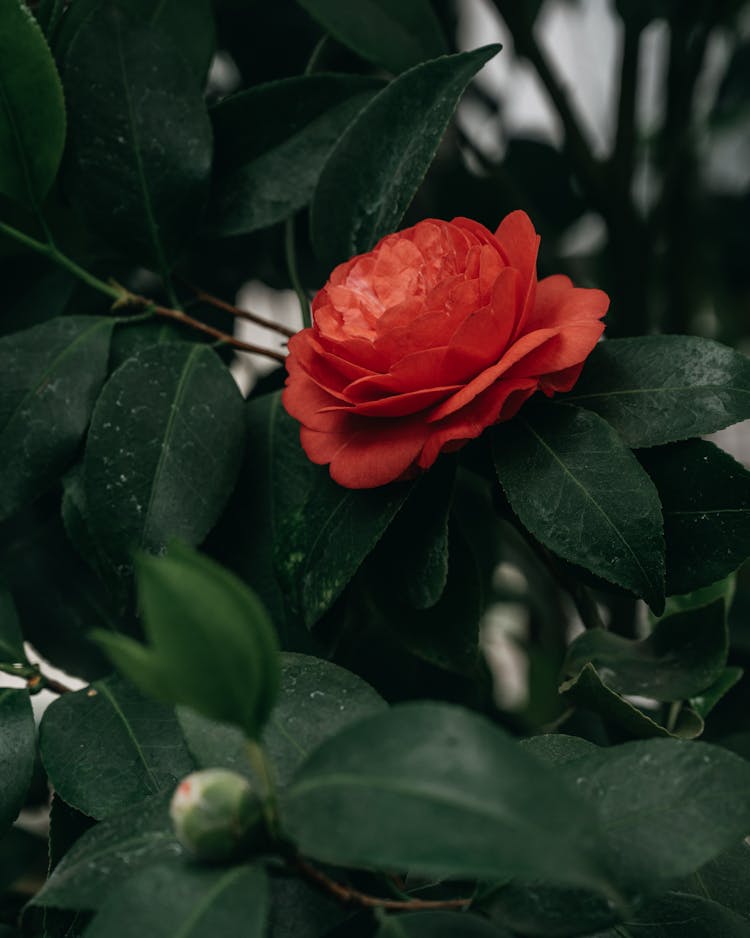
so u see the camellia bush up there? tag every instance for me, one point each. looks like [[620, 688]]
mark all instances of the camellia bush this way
[[284, 607]]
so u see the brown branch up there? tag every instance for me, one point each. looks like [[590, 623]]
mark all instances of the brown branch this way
[[177, 315], [40, 681], [350, 896], [239, 313]]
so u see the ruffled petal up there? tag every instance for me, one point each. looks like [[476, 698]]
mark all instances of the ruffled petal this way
[[370, 456], [490, 375], [499, 402]]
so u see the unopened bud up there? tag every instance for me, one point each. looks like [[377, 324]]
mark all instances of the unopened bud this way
[[216, 813]]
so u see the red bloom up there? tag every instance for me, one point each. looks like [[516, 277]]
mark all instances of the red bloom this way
[[419, 345]]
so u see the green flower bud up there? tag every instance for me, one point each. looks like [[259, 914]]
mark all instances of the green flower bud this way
[[216, 814]]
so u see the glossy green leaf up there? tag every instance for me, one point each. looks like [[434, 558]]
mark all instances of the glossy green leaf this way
[[689, 805], [212, 646], [391, 791], [416, 547], [447, 633], [580, 491], [32, 110], [272, 142], [50, 376], [676, 915], [316, 700], [163, 451], [704, 702], [377, 166], [17, 752], [11, 638], [322, 532], [108, 853], [685, 654], [705, 496], [300, 910], [106, 747], [657, 389], [140, 145], [180, 901], [74, 514], [588, 689], [188, 23], [557, 748], [438, 925], [725, 880], [56, 620], [66, 826], [388, 33], [540, 910]]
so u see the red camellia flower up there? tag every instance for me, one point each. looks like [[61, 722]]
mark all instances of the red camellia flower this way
[[420, 344]]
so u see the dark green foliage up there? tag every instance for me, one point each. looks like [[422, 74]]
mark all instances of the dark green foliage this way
[[52, 375], [451, 711], [32, 112], [168, 423], [579, 491], [377, 166], [139, 154]]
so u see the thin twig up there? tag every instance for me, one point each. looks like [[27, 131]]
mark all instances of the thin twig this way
[[178, 316], [41, 681], [239, 313], [351, 896]]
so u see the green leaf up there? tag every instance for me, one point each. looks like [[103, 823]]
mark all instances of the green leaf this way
[[537, 909], [140, 146], [50, 376], [106, 748], [589, 690], [108, 853], [272, 142], [688, 806], [446, 634], [74, 514], [386, 32], [377, 166], [188, 23], [316, 700], [416, 546], [579, 490], [322, 532], [301, 910], [705, 496], [17, 752], [676, 915], [557, 748], [56, 620], [704, 702], [32, 110], [66, 826], [180, 901], [391, 791], [438, 925], [163, 451], [684, 655], [657, 389], [11, 638], [725, 880], [212, 646]]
